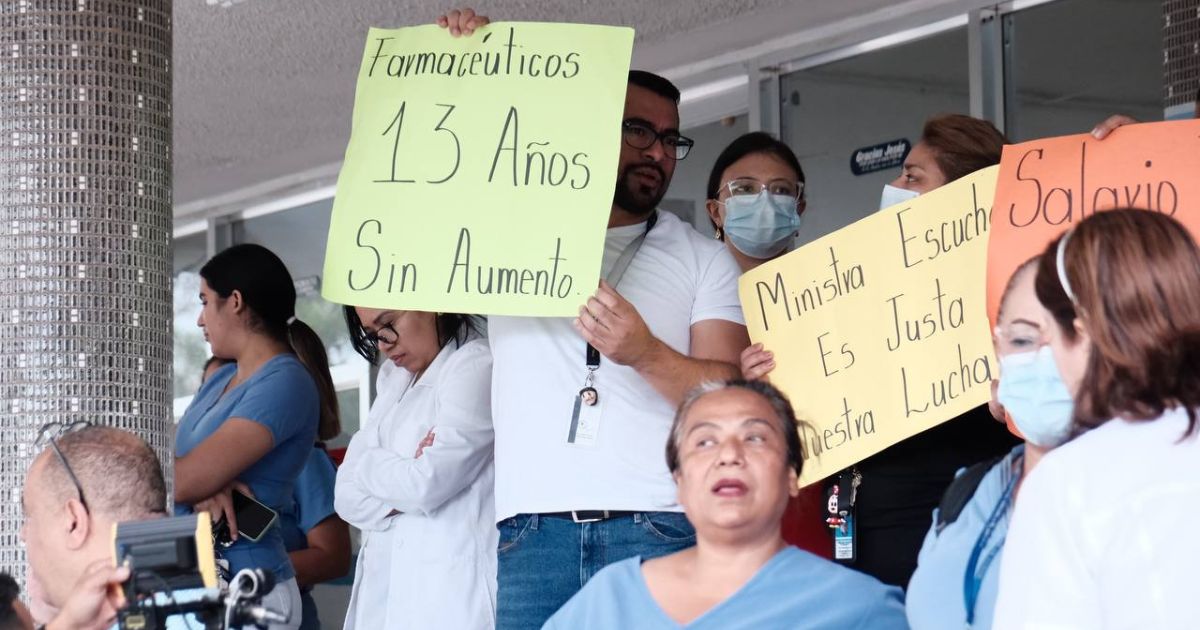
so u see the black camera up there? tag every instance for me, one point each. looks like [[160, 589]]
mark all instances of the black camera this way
[[173, 572]]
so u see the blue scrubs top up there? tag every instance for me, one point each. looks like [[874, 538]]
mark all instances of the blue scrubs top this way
[[936, 598], [282, 397], [313, 500], [313, 503], [794, 590]]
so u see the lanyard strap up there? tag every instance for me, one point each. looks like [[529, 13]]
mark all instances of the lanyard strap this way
[[977, 571], [614, 278]]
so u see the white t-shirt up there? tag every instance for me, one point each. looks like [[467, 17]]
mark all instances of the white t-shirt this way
[[677, 278], [1106, 533]]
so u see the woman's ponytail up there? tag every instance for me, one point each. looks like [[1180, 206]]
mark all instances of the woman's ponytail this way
[[311, 351]]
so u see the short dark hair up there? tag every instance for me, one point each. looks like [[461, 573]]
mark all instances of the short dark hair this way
[[9, 591], [780, 403], [962, 145], [655, 83], [449, 326], [117, 470]]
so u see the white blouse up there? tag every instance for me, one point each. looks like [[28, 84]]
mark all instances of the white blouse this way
[[1104, 535], [433, 565]]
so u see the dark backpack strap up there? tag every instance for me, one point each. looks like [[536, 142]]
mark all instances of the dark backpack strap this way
[[960, 491]]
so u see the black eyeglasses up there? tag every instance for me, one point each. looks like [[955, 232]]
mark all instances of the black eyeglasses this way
[[46, 436], [639, 135], [385, 335]]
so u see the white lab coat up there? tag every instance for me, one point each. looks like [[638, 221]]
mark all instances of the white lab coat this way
[[434, 564]]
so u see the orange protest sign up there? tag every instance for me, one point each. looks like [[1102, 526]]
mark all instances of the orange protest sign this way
[[1046, 186]]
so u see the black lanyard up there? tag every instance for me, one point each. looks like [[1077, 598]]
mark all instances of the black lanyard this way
[[614, 278]]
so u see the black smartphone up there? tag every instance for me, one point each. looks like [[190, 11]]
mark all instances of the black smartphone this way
[[253, 519]]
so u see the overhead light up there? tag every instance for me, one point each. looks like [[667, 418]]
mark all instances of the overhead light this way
[[223, 3], [713, 88]]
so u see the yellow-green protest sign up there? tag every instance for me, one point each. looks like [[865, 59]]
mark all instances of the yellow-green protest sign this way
[[480, 170], [880, 329]]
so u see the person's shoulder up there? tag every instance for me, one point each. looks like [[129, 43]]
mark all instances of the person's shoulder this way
[[220, 378], [286, 366], [982, 482], [285, 379], [807, 567], [472, 350], [1105, 454], [470, 361], [619, 572], [613, 579], [599, 597], [875, 604], [680, 232]]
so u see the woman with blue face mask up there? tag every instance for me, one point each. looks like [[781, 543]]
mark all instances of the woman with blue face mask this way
[[756, 198], [756, 203], [952, 146], [958, 568], [1104, 533], [899, 486]]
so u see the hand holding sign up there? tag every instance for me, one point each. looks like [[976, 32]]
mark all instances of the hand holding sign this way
[[470, 185], [462, 22], [757, 362], [878, 330], [1045, 186], [614, 327]]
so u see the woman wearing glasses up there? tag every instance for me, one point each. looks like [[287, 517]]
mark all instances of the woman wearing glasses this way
[[252, 424], [1103, 535], [900, 486], [418, 477], [756, 198], [958, 569], [756, 203]]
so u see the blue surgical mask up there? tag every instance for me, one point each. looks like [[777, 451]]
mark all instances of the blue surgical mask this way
[[762, 225], [893, 195], [1035, 396]]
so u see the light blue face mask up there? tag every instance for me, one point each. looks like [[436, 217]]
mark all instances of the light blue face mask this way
[[762, 225], [893, 195], [1035, 396]]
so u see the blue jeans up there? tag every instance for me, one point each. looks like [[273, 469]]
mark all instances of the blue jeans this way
[[544, 561]]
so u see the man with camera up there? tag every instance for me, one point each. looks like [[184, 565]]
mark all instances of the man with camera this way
[[76, 490]]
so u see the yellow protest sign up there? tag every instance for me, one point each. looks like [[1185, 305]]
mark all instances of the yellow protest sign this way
[[480, 170], [880, 329]]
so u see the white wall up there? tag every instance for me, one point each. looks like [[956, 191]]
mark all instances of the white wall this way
[[833, 118]]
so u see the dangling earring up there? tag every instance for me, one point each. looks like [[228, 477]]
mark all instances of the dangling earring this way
[[718, 234]]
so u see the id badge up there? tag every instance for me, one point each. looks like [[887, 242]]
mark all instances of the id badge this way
[[585, 420], [843, 539]]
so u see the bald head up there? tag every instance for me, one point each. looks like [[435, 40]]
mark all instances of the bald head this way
[[119, 472]]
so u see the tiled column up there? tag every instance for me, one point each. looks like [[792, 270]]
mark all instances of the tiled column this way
[[85, 228]]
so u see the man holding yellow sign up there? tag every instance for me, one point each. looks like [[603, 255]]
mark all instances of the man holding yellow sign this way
[[581, 405]]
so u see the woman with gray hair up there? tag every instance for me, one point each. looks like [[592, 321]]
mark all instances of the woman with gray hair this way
[[735, 456]]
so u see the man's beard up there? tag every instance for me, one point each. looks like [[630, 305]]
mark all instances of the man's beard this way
[[635, 198]]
